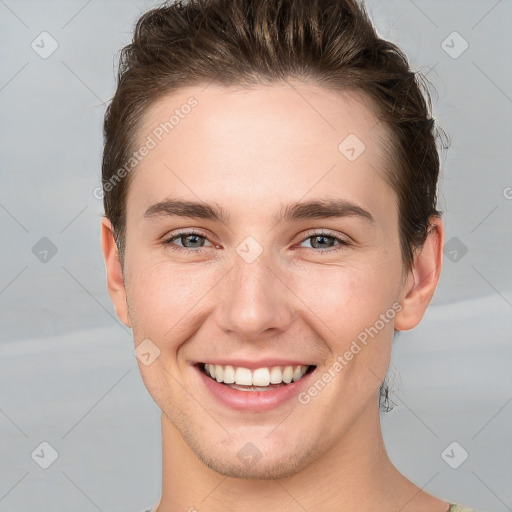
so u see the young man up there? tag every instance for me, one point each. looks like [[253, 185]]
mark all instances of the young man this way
[[270, 174]]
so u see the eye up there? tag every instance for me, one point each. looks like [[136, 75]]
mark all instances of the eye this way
[[189, 239], [193, 240], [325, 240]]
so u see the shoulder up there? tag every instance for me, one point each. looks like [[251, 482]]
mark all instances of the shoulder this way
[[453, 508]]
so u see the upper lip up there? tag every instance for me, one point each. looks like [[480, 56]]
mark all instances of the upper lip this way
[[255, 364]]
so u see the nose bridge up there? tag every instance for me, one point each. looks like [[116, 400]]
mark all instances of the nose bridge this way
[[254, 300]]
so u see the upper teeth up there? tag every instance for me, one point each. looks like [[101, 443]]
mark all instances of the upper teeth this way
[[259, 377]]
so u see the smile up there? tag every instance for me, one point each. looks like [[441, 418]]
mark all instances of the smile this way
[[260, 379], [253, 390]]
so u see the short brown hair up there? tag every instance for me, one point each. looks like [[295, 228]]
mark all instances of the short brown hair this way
[[331, 43]]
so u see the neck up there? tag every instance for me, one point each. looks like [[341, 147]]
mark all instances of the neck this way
[[354, 474]]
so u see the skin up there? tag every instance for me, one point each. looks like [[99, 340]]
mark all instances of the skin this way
[[252, 151]]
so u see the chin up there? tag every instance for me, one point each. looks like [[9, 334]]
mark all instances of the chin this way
[[261, 470], [263, 459]]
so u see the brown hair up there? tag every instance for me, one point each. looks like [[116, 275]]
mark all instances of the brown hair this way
[[331, 43]]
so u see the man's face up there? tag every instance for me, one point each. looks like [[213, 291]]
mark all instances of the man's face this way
[[253, 291]]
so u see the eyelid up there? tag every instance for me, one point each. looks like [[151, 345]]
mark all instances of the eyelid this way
[[344, 242], [183, 232], [325, 232]]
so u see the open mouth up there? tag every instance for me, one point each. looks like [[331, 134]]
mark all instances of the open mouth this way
[[260, 379]]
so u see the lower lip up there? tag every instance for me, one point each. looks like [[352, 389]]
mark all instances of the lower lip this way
[[253, 401]]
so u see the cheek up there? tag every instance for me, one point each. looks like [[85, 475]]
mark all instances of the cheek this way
[[165, 302], [164, 297], [352, 309], [347, 298], [165, 307]]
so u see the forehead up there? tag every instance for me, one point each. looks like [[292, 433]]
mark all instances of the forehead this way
[[300, 109], [246, 146]]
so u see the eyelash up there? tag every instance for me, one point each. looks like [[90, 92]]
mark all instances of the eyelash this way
[[343, 243]]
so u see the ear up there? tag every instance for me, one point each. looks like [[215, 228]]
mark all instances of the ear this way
[[115, 280], [422, 280]]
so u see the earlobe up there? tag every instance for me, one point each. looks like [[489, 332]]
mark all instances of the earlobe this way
[[115, 279], [422, 280]]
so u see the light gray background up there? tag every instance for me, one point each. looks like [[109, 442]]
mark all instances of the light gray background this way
[[67, 371]]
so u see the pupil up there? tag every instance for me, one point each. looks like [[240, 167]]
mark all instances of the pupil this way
[[192, 236], [324, 237]]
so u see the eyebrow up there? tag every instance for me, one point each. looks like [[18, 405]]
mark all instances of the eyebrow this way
[[318, 209]]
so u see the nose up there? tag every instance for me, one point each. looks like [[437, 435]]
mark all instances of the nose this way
[[255, 302]]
